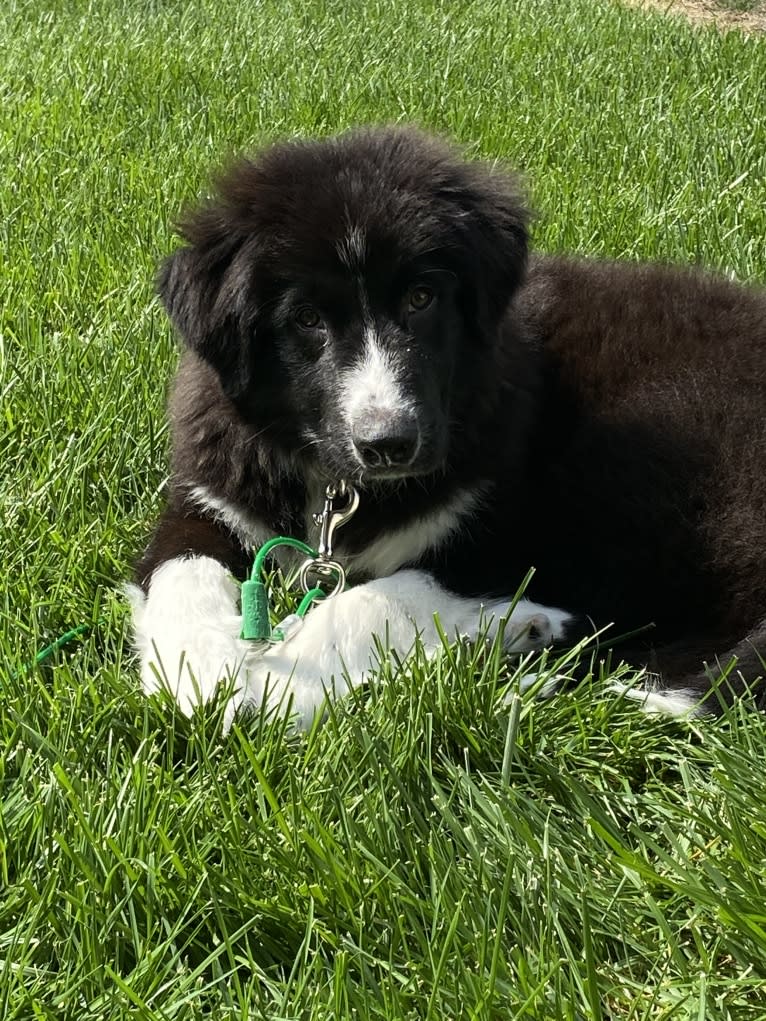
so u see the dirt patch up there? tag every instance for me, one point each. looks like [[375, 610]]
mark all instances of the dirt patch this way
[[710, 12]]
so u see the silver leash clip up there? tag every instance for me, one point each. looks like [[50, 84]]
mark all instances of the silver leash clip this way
[[329, 520]]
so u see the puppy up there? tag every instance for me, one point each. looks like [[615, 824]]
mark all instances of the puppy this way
[[362, 310]]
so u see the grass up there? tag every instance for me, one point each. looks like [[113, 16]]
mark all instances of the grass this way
[[744, 6], [429, 852]]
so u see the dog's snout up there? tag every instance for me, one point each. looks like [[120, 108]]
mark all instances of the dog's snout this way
[[384, 440]]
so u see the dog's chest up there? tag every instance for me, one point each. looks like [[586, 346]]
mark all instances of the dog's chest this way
[[371, 546]]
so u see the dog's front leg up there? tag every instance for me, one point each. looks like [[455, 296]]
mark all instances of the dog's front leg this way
[[186, 631], [336, 647]]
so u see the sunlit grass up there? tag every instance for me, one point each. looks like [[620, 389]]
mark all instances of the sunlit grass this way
[[429, 851]]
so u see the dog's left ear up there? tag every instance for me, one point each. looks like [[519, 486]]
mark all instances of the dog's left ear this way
[[495, 217], [207, 291]]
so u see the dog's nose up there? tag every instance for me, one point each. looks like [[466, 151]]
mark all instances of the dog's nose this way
[[385, 440]]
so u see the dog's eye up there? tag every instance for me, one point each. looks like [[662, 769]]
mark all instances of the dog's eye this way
[[420, 298], [308, 318]]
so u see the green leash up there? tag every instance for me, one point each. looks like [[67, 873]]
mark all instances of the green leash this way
[[59, 643], [256, 626]]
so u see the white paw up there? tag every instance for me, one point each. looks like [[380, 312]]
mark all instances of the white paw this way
[[336, 648], [526, 627], [668, 702], [187, 632]]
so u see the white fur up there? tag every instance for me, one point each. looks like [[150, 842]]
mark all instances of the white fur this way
[[352, 249], [671, 702], [383, 556], [681, 702], [372, 383], [407, 544], [187, 635], [250, 531], [336, 649], [187, 630]]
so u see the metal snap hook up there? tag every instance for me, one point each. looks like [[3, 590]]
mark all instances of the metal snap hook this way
[[331, 517]]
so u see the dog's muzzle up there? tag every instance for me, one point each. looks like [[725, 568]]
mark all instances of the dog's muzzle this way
[[385, 441]]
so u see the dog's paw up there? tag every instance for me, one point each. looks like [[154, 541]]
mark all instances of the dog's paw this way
[[186, 632], [335, 648], [340, 641], [526, 627], [657, 700]]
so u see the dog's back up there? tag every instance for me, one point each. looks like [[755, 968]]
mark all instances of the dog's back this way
[[651, 452]]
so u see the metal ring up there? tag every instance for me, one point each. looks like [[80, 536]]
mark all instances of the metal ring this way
[[325, 569]]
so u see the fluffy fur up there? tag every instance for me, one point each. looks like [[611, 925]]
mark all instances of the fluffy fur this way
[[188, 626], [363, 308]]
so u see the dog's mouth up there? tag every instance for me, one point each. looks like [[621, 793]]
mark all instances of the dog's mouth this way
[[385, 454], [366, 477], [372, 474]]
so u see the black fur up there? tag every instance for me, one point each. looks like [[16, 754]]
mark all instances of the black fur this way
[[615, 414]]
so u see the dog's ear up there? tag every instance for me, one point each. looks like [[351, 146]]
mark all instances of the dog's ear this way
[[206, 289], [494, 219], [502, 244]]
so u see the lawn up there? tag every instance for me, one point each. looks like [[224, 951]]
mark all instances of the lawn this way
[[430, 851]]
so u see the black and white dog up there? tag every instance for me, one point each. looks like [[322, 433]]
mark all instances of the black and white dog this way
[[362, 309]]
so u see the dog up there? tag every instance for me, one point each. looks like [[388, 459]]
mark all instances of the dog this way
[[363, 310]]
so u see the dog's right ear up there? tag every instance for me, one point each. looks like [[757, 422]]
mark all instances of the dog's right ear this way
[[207, 292]]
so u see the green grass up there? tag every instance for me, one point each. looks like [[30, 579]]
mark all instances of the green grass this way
[[428, 852]]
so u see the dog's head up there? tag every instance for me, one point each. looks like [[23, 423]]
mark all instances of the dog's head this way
[[343, 289]]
